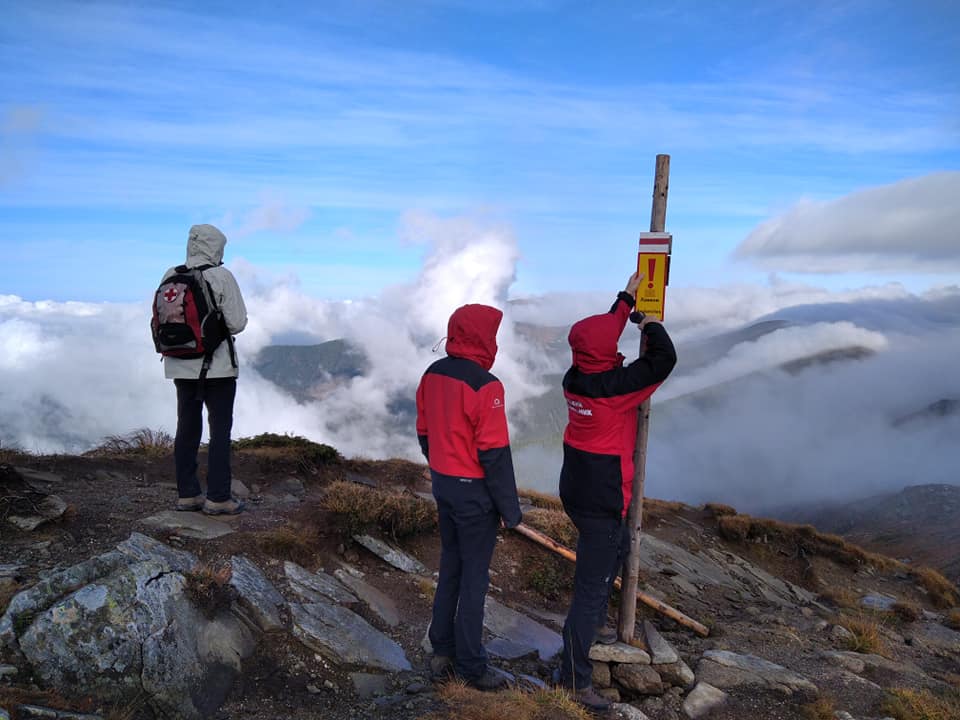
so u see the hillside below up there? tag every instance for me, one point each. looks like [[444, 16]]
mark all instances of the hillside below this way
[[800, 622]]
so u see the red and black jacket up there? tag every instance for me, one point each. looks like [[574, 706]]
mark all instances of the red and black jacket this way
[[602, 401], [461, 415]]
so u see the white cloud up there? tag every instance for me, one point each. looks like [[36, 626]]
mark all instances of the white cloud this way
[[908, 226], [272, 213]]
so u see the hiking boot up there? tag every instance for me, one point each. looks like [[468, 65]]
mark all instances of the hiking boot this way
[[227, 507], [190, 504], [441, 668], [593, 702], [490, 680], [605, 635]]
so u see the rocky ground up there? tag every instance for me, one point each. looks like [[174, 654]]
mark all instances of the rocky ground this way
[[314, 603]]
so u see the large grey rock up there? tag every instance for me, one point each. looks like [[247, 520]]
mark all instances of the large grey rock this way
[[120, 626], [718, 568], [257, 596], [620, 653], [937, 638], [316, 587], [392, 556], [661, 653], [639, 678], [878, 601], [724, 669], [345, 638], [702, 699], [189, 524], [509, 624], [379, 602], [144, 547], [507, 649]]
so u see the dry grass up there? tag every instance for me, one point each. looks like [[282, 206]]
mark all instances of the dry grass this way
[[841, 596], [867, 633], [143, 442], [553, 523], [463, 703], [10, 697], [906, 612], [278, 452], [952, 620], [806, 540], [821, 709], [398, 514], [910, 704], [719, 509], [293, 542], [393, 471], [542, 500], [942, 592], [209, 588]]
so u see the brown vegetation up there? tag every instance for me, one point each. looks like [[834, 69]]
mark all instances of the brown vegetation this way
[[821, 709], [464, 703], [952, 620], [942, 592], [548, 576], [395, 471], [910, 704], [907, 612], [542, 500], [842, 597], [553, 523], [399, 514], [806, 540], [719, 509], [142, 442], [209, 589], [293, 542], [867, 633], [277, 451]]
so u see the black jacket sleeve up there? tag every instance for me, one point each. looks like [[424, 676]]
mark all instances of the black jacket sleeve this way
[[501, 484]]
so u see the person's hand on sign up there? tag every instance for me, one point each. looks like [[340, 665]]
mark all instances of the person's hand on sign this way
[[633, 284]]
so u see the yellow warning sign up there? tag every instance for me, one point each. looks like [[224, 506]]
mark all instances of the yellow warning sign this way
[[651, 295]]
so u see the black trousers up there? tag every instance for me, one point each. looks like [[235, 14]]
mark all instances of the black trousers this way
[[218, 396], [468, 534], [602, 545]]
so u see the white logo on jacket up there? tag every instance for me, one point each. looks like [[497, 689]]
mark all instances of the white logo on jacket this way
[[497, 403]]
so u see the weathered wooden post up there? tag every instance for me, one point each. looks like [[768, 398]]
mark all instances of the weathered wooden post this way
[[628, 594]]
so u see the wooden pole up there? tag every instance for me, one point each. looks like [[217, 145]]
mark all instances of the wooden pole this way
[[628, 610], [648, 600]]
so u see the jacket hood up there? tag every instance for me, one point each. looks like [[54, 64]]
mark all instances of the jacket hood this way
[[594, 341], [205, 246], [472, 334]]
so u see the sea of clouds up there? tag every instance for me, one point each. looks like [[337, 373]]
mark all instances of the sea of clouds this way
[[730, 425]]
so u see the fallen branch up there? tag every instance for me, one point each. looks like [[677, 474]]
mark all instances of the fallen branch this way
[[649, 600]]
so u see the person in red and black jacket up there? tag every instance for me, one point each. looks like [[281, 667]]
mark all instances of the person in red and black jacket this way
[[596, 480], [462, 428]]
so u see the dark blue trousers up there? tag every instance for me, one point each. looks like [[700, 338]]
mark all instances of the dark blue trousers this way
[[218, 396], [468, 534], [601, 548]]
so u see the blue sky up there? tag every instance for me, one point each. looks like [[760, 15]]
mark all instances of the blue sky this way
[[313, 135]]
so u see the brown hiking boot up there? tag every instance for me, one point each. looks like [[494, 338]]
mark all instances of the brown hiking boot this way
[[190, 504], [593, 702], [227, 507], [441, 668], [605, 635]]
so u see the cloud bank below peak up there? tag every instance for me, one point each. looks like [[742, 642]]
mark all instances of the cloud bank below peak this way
[[909, 226]]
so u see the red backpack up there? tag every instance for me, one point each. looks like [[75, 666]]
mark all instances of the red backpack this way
[[186, 320]]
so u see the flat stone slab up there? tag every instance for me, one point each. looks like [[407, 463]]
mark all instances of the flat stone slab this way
[[143, 547], [50, 508], [620, 653], [724, 669], [661, 652], [379, 602], [511, 625], [508, 649], [257, 596], [392, 556], [316, 587], [189, 524], [345, 638]]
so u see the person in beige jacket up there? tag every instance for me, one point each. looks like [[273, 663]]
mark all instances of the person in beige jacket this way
[[205, 246]]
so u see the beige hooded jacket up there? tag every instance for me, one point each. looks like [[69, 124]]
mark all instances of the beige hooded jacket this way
[[205, 247]]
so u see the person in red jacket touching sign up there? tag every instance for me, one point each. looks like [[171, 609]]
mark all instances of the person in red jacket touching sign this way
[[596, 480], [462, 429]]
